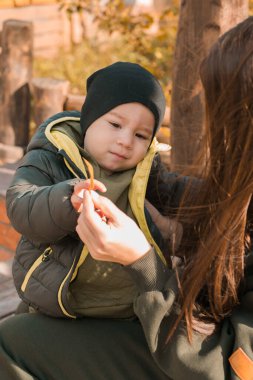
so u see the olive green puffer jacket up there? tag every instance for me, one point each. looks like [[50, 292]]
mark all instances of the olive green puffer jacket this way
[[38, 205]]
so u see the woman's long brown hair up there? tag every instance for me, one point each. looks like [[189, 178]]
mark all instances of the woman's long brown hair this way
[[217, 222]]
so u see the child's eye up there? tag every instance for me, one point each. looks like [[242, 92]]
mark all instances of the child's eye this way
[[115, 125], [140, 136]]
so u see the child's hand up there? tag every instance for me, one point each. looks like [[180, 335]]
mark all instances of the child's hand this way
[[170, 229], [77, 196]]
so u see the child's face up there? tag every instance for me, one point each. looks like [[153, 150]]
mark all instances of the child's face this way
[[119, 140]]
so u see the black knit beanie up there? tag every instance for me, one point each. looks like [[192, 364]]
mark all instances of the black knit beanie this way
[[119, 83]]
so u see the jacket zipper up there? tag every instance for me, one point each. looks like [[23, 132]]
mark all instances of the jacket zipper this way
[[44, 257], [60, 293]]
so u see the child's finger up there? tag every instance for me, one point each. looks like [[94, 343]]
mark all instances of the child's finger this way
[[76, 202], [85, 185], [154, 213], [99, 186]]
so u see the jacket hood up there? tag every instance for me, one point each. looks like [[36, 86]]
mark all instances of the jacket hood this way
[[57, 122]]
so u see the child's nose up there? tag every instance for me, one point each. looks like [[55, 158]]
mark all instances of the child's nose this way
[[126, 140]]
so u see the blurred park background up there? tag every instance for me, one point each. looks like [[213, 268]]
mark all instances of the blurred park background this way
[[48, 48]]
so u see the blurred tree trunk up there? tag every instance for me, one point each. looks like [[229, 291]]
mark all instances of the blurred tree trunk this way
[[200, 24], [16, 73]]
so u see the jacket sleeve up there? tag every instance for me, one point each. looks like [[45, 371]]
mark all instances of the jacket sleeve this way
[[165, 189], [38, 201], [207, 358]]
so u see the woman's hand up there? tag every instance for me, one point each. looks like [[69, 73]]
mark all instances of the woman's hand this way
[[77, 196], [109, 234]]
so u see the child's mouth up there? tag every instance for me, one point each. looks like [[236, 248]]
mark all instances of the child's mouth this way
[[119, 156]]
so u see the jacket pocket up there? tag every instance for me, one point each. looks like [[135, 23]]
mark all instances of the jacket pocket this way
[[42, 258], [42, 273]]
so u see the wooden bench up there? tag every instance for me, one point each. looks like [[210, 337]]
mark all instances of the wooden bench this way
[[9, 298]]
